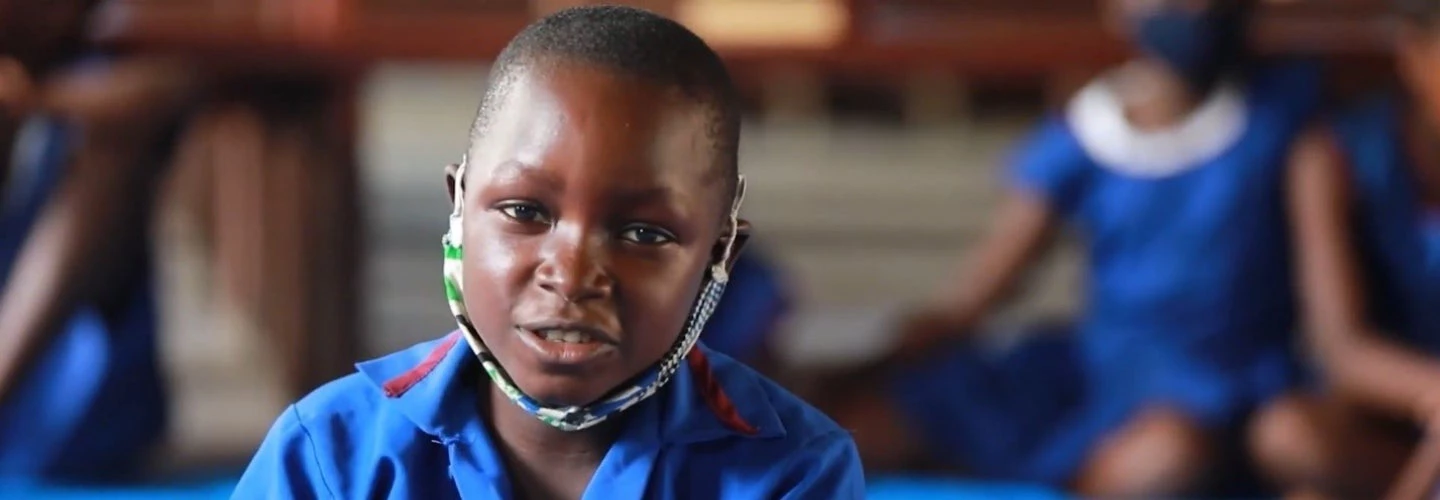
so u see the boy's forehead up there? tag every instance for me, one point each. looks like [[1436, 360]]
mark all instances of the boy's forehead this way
[[598, 120]]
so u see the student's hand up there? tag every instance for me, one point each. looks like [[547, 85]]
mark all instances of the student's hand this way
[[1427, 412], [16, 89], [923, 331], [126, 97], [1421, 473]]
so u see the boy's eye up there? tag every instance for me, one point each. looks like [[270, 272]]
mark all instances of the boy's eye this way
[[525, 212], [646, 235]]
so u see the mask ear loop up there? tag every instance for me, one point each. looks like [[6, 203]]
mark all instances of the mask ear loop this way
[[458, 203], [460, 184], [453, 262], [720, 270]]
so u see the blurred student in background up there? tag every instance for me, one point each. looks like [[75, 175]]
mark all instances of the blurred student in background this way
[[749, 321], [1171, 167], [81, 395], [1364, 191]]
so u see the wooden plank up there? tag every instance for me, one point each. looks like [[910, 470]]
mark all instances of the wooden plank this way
[[979, 33], [989, 36]]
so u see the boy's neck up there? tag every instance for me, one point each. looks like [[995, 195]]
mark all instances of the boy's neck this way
[[541, 457], [1155, 97]]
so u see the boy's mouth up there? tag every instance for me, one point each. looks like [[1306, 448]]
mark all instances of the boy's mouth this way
[[566, 336], [566, 344]]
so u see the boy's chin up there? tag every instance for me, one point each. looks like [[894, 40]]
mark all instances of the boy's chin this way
[[565, 390]]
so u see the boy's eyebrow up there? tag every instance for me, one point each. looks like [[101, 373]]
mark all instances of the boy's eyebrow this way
[[638, 196], [514, 170], [511, 170]]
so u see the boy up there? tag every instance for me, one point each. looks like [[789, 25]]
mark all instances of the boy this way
[[1365, 210], [593, 232], [1170, 166]]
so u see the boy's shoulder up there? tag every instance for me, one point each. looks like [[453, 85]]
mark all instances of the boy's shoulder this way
[[719, 418], [798, 419], [767, 440], [368, 397], [348, 397]]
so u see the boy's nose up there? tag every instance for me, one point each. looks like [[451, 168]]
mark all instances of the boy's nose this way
[[575, 267]]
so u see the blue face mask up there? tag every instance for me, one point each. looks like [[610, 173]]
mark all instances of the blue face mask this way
[[1199, 45]]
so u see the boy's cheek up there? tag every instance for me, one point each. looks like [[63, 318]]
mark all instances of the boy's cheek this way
[[655, 316], [494, 271], [489, 247]]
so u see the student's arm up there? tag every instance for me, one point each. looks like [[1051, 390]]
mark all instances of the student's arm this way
[[286, 465], [827, 468], [1019, 232], [1358, 362], [15, 96], [85, 241], [1046, 181], [1421, 474]]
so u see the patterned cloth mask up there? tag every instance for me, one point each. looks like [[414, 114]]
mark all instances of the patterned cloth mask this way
[[575, 418]]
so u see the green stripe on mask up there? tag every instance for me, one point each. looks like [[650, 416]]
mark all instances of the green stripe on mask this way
[[454, 252]]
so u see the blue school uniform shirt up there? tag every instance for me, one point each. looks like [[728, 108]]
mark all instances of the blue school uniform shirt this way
[[1397, 236], [93, 404], [408, 426], [1188, 296]]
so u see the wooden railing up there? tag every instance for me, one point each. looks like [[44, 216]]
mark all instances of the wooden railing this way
[[970, 35]]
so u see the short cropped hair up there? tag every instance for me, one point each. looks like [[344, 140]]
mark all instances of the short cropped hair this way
[[632, 42]]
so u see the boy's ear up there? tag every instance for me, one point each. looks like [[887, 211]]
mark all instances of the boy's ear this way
[[742, 237], [451, 171]]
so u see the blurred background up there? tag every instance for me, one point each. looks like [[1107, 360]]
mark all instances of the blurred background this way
[[300, 224]]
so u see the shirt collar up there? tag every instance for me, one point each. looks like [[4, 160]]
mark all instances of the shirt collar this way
[[711, 397]]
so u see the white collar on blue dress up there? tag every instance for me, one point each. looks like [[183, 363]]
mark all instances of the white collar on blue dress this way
[[1096, 115]]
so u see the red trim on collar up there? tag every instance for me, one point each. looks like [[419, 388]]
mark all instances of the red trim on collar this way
[[715, 396], [397, 386]]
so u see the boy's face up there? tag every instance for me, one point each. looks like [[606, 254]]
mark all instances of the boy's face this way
[[592, 210], [1418, 57]]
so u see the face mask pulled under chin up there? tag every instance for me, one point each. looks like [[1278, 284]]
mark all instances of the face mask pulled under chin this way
[[1201, 46]]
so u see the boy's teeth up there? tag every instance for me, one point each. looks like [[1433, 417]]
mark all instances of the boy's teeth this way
[[567, 336]]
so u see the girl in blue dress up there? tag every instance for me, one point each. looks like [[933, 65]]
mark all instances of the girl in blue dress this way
[[1364, 191], [1170, 168]]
